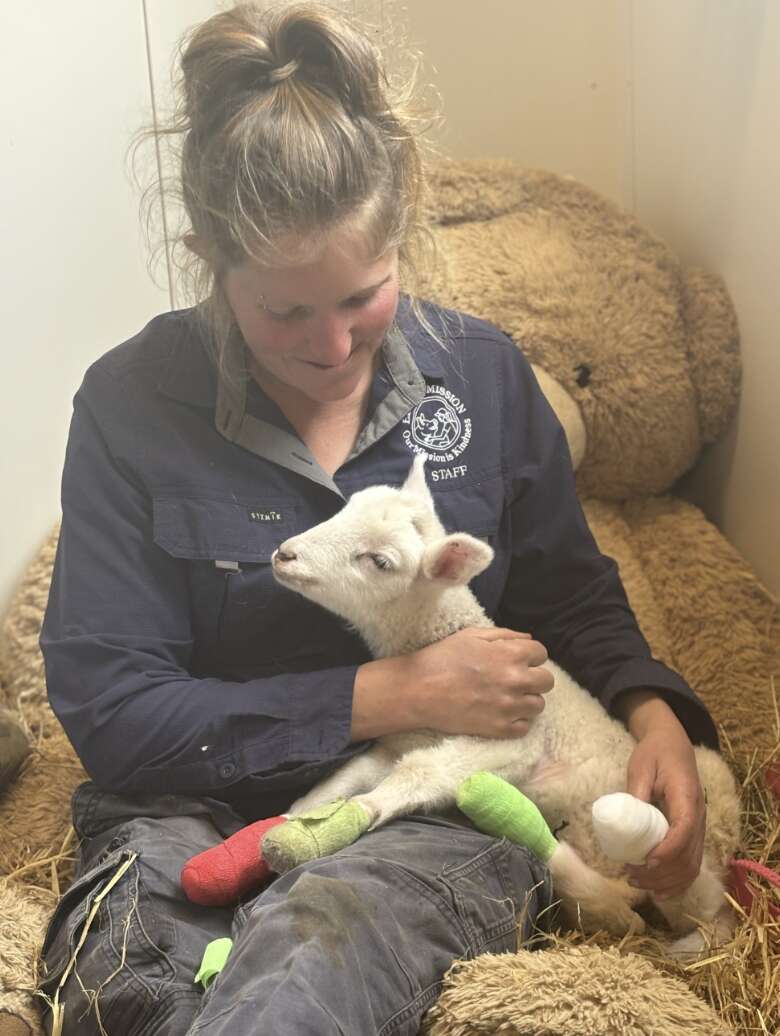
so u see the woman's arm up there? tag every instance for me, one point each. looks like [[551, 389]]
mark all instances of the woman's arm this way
[[560, 586], [485, 682], [570, 596], [118, 645]]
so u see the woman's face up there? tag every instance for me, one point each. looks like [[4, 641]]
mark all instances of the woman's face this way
[[314, 329]]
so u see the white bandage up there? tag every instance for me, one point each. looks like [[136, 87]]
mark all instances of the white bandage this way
[[626, 828]]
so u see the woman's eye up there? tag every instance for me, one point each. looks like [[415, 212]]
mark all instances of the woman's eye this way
[[354, 304], [292, 314], [298, 312]]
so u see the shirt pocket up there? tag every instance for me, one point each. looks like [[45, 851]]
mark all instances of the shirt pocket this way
[[227, 545], [222, 530], [478, 508]]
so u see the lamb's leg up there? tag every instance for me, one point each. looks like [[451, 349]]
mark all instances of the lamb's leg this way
[[701, 911], [362, 773], [423, 779], [427, 779], [591, 900], [588, 898]]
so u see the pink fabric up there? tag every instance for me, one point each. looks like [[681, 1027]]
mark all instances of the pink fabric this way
[[743, 889]]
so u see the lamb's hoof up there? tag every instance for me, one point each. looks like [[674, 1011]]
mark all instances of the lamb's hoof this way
[[688, 947], [626, 922], [316, 833], [620, 920]]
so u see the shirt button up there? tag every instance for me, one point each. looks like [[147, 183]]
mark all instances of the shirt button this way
[[227, 770]]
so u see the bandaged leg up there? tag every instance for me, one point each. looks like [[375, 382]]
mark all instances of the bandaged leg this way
[[499, 809], [316, 833]]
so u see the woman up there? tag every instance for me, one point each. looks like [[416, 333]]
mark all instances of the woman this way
[[199, 694]]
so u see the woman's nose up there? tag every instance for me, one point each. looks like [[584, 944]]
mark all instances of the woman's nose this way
[[333, 342]]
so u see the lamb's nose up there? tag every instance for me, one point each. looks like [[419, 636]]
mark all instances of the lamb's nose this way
[[283, 555]]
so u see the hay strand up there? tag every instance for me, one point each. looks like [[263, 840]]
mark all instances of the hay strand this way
[[58, 1008]]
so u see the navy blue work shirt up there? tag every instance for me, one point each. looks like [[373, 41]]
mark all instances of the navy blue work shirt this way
[[174, 660]]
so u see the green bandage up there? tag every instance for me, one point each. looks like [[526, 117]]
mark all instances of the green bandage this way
[[318, 832], [214, 958], [498, 809]]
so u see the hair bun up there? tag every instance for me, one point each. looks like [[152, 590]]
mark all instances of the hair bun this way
[[278, 75]]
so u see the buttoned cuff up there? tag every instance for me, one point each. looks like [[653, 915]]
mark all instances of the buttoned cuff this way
[[321, 723]]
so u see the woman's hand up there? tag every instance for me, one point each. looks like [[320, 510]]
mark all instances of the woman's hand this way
[[485, 682], [662, 768]]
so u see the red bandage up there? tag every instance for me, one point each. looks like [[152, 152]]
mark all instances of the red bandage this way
[[221, 875]]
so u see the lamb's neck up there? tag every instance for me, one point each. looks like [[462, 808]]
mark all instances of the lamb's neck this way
[[408, 626]]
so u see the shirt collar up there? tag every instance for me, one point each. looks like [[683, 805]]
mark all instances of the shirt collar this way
[[426, 352], [189, 372]]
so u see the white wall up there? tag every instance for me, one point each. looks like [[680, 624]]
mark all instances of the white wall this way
[[540, 81], [707, 165], [74, 85]]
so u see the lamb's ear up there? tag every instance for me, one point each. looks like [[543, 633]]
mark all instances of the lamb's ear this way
[[415, 480], [456, 558]]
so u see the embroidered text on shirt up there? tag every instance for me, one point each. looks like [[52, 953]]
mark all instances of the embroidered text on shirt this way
[[265, 516]]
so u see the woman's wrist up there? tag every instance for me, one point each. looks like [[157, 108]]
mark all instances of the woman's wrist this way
[[645, 710]]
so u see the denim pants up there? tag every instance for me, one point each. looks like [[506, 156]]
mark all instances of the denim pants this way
[[352, 944]]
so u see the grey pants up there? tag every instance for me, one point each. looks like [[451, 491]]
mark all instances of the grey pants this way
[[353, 944]]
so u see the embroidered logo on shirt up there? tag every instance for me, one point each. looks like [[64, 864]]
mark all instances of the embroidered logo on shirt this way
[[265, 516], [438, 426]]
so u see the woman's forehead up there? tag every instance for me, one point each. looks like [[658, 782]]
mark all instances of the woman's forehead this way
[[341, 264]]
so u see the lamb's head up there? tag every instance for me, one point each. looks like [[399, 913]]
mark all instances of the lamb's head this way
[[384, 544]]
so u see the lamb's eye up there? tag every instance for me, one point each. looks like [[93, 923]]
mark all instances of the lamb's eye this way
[[380, 560]]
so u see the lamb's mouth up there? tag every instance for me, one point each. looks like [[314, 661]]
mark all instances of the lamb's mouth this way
[[292, 579]]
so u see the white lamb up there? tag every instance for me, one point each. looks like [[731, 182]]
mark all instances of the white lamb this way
[[386, 564]]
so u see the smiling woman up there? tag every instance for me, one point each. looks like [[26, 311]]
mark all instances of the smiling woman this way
[[200, 695], [314, 330], [313, 333]]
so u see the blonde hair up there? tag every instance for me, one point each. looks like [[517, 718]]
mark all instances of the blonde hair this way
[[288, 128]]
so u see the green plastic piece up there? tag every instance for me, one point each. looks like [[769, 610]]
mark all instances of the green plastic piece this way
[[318, 832], [214, 959], [499, 809]]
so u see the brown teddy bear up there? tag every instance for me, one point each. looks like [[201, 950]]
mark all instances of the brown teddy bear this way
[[640, 360], [639, 357], [647, 351]]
